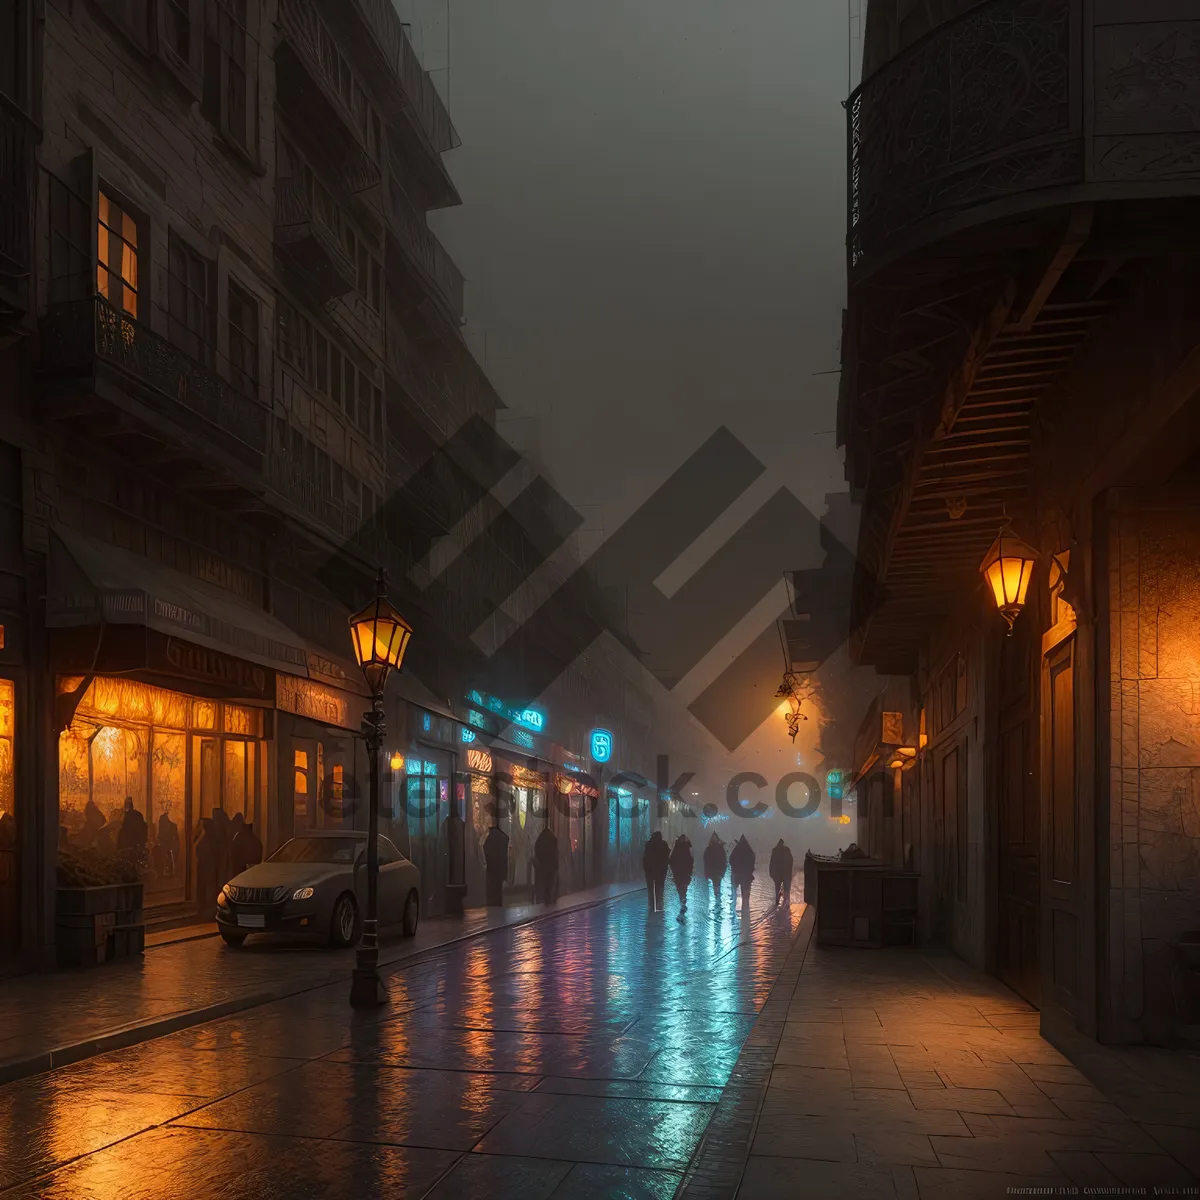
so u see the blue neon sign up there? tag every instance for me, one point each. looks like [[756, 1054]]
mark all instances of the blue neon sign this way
[[467, 735], [600, 742], [532, 718], [523, 739]]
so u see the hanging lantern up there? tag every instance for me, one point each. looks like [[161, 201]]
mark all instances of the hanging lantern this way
[[1008, 567]]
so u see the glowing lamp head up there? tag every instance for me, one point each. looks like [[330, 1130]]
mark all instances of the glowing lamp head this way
[[397, 761], [1008, 567], [380, 636]]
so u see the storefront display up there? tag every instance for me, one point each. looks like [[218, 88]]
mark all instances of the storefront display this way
[[141, 768], [9, 874]]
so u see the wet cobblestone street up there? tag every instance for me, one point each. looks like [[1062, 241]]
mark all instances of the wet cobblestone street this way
[[581, 1056]]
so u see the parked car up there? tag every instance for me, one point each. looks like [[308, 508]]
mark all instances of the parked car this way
[[316, 886]]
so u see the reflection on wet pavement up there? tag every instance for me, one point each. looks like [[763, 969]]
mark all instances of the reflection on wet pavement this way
[[575, 1057]]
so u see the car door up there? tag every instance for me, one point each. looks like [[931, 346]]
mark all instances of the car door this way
[[392, 890]]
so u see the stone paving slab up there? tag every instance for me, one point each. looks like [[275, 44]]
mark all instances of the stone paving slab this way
[[906, 1075], [50, 1020]]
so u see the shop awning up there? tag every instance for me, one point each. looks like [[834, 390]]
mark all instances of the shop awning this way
[[90, 580], [412, 691]]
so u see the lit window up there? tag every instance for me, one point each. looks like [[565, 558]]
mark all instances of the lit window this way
[[116, 256], [8, 716]]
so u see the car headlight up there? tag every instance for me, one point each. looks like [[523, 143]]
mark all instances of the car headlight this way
[[302, 894], [223, 896]]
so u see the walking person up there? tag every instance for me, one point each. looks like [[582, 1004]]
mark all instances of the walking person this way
[[780, 868], [655, 858], [715, 863], [741, 865], [682, 867], [545, 863]]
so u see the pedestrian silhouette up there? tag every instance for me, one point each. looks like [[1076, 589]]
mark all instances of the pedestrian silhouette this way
[[545, 860], [131, 838], [207, 884], [93, 822], [741, 865], [682, 865], [780, 869], [715, 863], [244, 848], [168, 844], [654, 862], [495, 857]]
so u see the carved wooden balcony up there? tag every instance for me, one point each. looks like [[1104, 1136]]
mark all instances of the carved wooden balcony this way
[[310, 248], [17, 134], [1017, 105], [96, 359]]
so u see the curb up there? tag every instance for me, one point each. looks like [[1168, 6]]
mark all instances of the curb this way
[[156, 1027]]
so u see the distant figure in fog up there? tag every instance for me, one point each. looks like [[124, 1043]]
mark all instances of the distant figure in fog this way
[[715, 863], [682, 866], [8, 832], [495, 858], [220, 828], [655, 858], [545, 863], [207, 885], [93, 822], [780, 868], [741, 864]]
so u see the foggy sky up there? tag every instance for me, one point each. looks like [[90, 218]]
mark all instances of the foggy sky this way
[[653, 232]]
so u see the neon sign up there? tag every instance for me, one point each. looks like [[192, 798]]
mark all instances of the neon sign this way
[[523, 739], [467, 735], [600, 741], [532, 718]]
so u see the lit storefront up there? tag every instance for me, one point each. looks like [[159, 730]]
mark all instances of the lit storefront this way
[[139, 768], [9, 873]]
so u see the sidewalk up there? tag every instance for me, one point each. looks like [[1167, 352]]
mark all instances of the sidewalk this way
[[53, 1019], [907, 1075]]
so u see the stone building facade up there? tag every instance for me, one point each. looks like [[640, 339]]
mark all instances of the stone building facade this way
[[233, 384], [1021, 346]]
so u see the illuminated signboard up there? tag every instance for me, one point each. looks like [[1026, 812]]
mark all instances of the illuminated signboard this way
[[600, 742], [523, 739], [532, 718], [467, 735], [834, 777], [476, 719], [479, 760], [834, 783], [426, 722]]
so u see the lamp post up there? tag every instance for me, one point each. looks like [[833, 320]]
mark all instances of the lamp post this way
[[380, 636]]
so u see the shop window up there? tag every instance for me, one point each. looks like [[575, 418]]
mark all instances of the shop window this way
[[241, 720], [204, 714], [117, 255], [301, 770], [8, 720], [337, 783]]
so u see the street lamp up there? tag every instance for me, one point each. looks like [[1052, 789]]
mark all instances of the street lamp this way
[[1008, 567], [380, 636]]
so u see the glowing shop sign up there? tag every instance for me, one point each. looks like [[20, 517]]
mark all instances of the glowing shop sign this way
[[479, 760], [523, 739], [532, 718], [834, 777], [475, 719], [467, 735], [601, 744]]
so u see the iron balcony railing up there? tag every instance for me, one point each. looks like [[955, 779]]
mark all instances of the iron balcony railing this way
[[81, 335], [17, 136], [423, 249]]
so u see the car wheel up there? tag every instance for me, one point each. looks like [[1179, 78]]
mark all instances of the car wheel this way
[[232, 939], [412, 913], [343, 926]]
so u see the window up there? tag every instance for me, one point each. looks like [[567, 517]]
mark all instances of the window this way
[[181, 41], [116, 256], [190, 299], [243, 339], [12, 51], [177, 31], [228, 96], [70, 244], [133, 16], [293, 337]]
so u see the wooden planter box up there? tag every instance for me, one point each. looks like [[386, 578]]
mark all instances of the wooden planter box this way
[[94, 925]]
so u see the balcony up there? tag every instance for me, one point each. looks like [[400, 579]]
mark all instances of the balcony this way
[[315, 87], [983, 120], [309, 245], [339, 524], [424, 253], [158, 389], [17, 133]]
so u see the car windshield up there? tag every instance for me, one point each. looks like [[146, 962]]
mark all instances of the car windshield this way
[[317, 850]]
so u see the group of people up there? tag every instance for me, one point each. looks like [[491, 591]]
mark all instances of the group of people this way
[[658, 859], [545, 866]]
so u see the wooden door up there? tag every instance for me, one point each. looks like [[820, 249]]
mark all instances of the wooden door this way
[[1062, 918], [1017, 960]]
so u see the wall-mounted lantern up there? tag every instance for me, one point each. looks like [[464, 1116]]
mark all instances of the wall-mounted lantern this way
[[1008, 567]]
